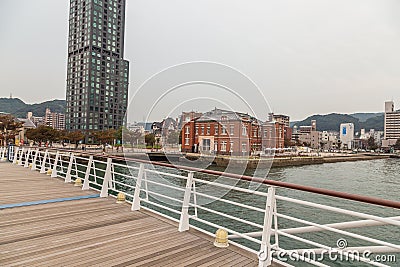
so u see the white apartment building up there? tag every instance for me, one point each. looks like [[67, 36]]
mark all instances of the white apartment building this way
[[392, 125], [347, 135]]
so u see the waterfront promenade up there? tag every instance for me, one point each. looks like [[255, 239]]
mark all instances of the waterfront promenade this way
[[71, 227]]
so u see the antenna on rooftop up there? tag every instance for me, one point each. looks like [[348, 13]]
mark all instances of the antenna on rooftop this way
[[10, 95]]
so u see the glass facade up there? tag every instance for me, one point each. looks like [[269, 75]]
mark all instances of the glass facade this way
[[97, 74]]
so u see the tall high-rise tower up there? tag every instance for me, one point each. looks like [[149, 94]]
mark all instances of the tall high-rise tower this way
[[97, 74]]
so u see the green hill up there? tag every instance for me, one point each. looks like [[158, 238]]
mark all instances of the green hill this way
[[19, 108], [331, 122]]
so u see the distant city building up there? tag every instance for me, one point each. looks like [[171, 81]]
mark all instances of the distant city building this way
[[346, 135], [20, 139], [307, 135], [97, 74], [36, 120], [285, 120], [188, 116], [54, 120], [392, 125], [329, 140], [223, 132]]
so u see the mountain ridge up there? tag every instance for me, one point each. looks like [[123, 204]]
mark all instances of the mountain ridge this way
[[332, 121], [19, 108]]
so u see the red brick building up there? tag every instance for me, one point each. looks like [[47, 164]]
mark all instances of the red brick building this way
[[230, 133]]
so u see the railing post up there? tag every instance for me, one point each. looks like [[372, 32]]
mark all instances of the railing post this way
[[34, 160], [136, 195], [43, 168], [184, 220], [21, 156], [87, 174], [15, 155], [3, 150], [107, 177], [28, 154], [68, 175], [54, 171], [265, 256]]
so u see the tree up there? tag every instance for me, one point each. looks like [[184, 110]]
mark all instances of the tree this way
[[74, 137], [118, 134], [397, 145], [43, 134], [173, 138], [371, 143], [132, 136], [105, 136], [9, 127], [150, 139]]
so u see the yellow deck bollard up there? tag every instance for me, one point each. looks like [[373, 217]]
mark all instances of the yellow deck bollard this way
[[120, 198], [78, 182], [221, 238], [49, 171]]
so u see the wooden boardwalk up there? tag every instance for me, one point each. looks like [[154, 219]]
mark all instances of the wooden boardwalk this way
[[93, 231]]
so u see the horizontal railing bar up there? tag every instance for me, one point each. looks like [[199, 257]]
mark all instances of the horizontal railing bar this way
[[164, 185], [227, 229], [372, 240], [339, 210], [164, 196], [229, 202], [227, 215], [231, 187], [341, 225], [167, 174]]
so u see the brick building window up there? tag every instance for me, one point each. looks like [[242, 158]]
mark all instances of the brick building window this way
[[232, 129], [223, 146], [223, 129], [244, 130]]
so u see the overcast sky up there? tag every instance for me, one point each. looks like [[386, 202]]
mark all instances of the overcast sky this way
[[306, 56]]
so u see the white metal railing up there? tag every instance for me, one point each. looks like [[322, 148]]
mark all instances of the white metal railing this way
[[175, 194]]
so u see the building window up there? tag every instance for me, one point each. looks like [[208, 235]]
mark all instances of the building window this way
[[208, 129], [255, 133], [215, 146], [223, 129], [223, 146], [265, 133], [231, 146], [232, 129], [206, 144], [216, 129], [197, 130], [244, 130], [187, 133], [244, 147]]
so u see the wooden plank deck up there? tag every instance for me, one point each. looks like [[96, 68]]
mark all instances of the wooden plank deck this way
[[93, 232]]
